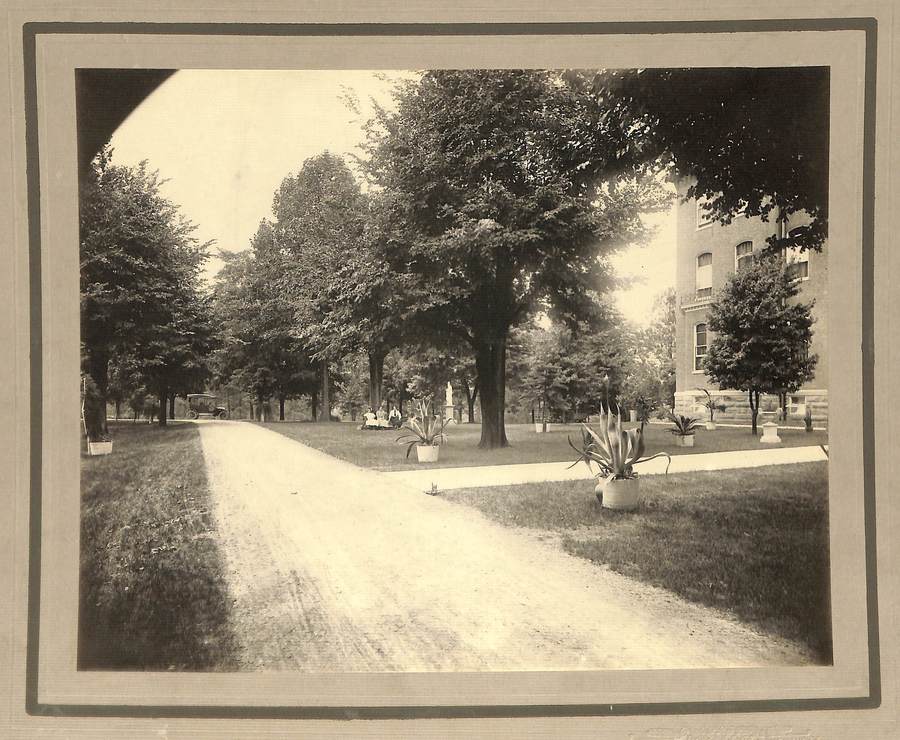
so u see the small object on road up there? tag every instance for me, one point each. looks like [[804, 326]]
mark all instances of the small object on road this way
[[434, 490], [294, 493]]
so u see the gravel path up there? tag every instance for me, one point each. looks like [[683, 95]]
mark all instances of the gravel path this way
[[335, 568]]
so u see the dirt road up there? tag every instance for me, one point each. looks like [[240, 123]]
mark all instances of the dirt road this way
[[334, 568]]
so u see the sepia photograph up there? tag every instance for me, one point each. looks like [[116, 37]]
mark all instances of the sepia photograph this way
[[454, 370]]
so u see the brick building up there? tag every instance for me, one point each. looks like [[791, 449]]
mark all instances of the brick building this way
[[706, 253]]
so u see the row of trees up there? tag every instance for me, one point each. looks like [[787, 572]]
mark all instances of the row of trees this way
[[145, 320], [493, 197], [490, 200]]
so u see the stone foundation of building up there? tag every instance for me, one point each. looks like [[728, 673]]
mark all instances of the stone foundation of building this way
[[737, 409]]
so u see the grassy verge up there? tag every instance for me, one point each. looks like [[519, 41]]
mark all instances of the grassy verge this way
[[753, 542], [379, 450], [152, 594]]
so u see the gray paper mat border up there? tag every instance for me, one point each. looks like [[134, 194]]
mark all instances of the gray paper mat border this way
[[30, 33]]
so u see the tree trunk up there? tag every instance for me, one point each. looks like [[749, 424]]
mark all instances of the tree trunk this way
[[490, 363], [754, 409], [314, 405], [782, 402], [281, 408], [172, 406], [163, 398], [98, 369], [376, 378], [326, 392], [118, 407], [544, 414]]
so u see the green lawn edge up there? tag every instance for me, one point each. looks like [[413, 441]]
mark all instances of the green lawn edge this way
[[152, 591]]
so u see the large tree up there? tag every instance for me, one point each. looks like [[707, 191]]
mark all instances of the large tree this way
[[751, 140], [319, 228], [139, 269], [174, 357], [511, 186], [761, 333], [260, 347]]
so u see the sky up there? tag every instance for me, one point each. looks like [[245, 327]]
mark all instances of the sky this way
[[225, 139]]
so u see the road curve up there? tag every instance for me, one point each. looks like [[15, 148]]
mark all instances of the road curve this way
[[335, 568]]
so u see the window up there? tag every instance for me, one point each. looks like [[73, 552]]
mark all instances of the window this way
[[797, 405], [704, 217], [743, 256], [798, 263], [704, 274], [700, 346]]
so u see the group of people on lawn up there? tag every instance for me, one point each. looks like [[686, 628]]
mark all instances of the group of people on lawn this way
[[382, 419]]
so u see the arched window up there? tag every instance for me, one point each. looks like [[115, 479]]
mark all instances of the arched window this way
[[700, 346], [743, 256], [704, 274]]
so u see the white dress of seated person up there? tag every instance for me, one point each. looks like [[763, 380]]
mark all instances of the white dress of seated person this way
[[370, 418]]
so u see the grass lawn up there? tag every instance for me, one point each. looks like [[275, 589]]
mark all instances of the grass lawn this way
[[753, 542], [378, 449], [152, 594]]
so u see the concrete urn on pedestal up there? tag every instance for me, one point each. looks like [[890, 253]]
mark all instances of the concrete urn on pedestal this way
[[770, 434]]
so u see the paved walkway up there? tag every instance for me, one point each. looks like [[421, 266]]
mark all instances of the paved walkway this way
[[331, 567], [507, 475]]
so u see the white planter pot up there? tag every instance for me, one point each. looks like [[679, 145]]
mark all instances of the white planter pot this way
[[427, 453], [632, 414], [99, 448], [711, 426], [622, 494], [539, 427], [687, 441]]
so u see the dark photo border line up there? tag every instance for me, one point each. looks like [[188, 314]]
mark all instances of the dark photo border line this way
[[30, 33]]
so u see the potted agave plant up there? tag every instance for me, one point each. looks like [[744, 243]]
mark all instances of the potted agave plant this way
[[711, 405], [93, 412], [615, 451], [424, 432], [684, 429]]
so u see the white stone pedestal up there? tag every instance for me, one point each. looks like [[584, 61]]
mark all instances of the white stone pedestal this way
[[770, 434], [449, 414]]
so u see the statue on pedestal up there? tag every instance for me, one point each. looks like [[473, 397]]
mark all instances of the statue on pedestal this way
[[448, 404]]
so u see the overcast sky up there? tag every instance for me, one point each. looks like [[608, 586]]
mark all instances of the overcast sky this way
[[226, 139]]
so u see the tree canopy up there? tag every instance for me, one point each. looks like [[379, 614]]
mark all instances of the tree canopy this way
[[511, 187], [761, 333], [751, 140], [140, 280], [260, 347]]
